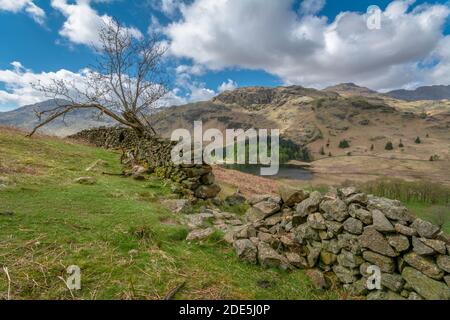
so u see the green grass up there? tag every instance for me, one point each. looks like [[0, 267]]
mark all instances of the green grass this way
[[127, 245]]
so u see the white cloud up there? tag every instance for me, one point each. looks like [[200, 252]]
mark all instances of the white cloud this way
[[307, 49], [230, 85], [15, 6], [83, 23]]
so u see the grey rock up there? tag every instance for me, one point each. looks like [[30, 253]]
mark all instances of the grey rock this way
[[385, 264], [199, 234], [267, 207], [334, 209], [314, 250], [436, 245], [246, 250], [349, 260], [246, 232], [442, 236], [316, 221], [346, 275], [428, 288], [326, 235], [392, 209], [381, 295], [359, 288], [356, 211], [357, 198], [393, 282], [353, 226], [177, 205], [235, 199], [420, 248], [332, 246], [425, 229], [296, 260], [407, 231], [269, 258], [347, 192], [304, 232], [447, 280], [349, 242], [334, 227], [258, 198], [254, 214], [381, 223], [414, 296], [399, 242], [443, 262], [88, 181], [318, 279], [291, 196], [375, 241], [327, 258], [424, 265], [207, 192], [309, 205]]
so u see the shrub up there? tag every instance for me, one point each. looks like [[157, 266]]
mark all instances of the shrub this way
[[401, 145], [418, 141], [344, 144], [389, 146], [372, 147]]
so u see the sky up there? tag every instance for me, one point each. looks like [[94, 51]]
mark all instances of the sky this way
[[219, 45]]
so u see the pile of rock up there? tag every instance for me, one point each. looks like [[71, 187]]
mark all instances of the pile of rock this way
[[154, 155], [343, 233]]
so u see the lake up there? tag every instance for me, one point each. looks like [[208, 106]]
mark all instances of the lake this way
[[287, 171]]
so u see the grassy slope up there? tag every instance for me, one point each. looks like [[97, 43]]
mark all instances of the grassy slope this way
[[58, 223]]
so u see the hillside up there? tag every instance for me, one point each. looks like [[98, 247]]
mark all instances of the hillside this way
[[26, 118], [422, 93]]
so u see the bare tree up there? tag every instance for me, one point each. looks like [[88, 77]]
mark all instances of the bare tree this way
[[125, 84]]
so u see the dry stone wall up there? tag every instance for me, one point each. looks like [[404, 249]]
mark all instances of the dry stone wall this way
[[155, 154], [343, 234]]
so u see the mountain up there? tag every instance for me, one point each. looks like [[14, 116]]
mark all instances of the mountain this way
[[26, 118], [351, 89], [422, 93]]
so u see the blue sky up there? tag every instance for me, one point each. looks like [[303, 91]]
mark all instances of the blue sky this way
[[223, 44]]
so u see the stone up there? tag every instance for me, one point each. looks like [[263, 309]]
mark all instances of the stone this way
[[443, 262], [235, 199], [327, 258], [421, 248], [266, 197], [353, 226], [349, 242], [392, 209], [267, 207], [292, 196], [253, 214], [273, 220], [334, 209], [314, 250], [425, 229], [404, 230], [385, 264], [207, 192], [381, 295], [334, 227], [359, 288], [346, 275], [309, 205], [246, 250], [287, 240], [360, 198], [375, 241], [326, 235], [318, 279], [199, 234], [436, 245], [363, 269], [349, 260], [380, 222], [414, 296], [304, 232], [393, 282], [296, 260], [356, 211], [349, 191], [447, 280], [177, 205], [316, 221], [428, 288], [424, 265], [269, 258], [332, 246], [442, 236], [399, 242], [246, 232], [88, 181], [208, 179]]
